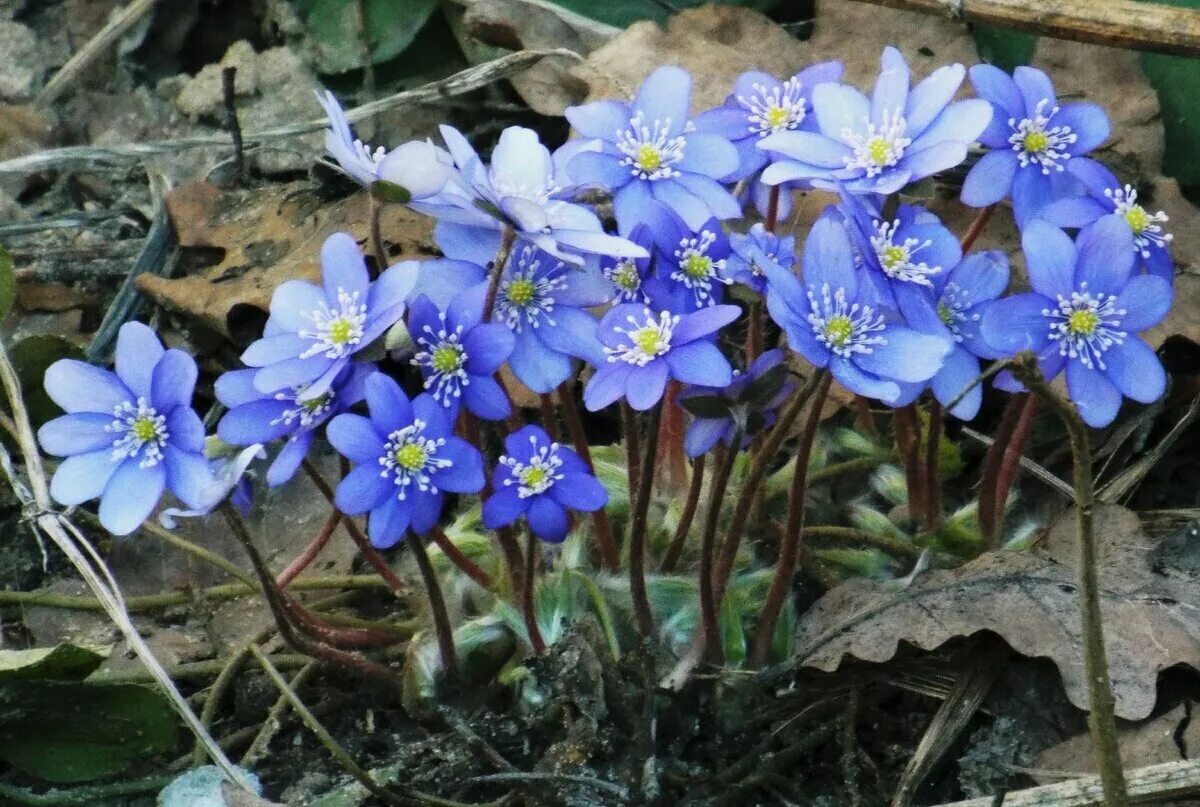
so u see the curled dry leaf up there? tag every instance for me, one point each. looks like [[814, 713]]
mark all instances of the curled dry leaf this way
[[264, 237], [1151, 611]]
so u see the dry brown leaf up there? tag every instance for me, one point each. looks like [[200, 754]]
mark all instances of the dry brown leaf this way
[[268, 236], [1151, 614]]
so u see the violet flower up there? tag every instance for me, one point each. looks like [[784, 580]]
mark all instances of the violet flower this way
[[744, 264], [648, 152], [521, 189], [703, 433], [314, 331], [628, 275], [1083, 315], [262, 417], [644, 349], [540, 480], [1031, 139], [828, 324], [879, 145], [1105, 196], [690, 266], [127, 435], [405, 457]]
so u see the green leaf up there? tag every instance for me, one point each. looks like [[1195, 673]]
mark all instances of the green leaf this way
[[1004, 48], [30, 358], [386, 28], [8, 283], [63, 662], [390, 192], [713, 407], [1174, 79], [76, 732], [761, 390], [733, 636]]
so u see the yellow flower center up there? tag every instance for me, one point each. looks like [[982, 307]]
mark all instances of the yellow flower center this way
[[626, 277], [878, 150], [776, 116], [1137, 217], [1035, 142], [697, 266], [945, 314], [649, 157], [648, 340], [340, 331], [838, 330], [1083, 322], [533, 476], [145, 430], [446, 359], [521, 291], [410, 457], [894, 256]]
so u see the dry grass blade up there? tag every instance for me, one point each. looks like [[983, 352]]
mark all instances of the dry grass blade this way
[[1156, 784]]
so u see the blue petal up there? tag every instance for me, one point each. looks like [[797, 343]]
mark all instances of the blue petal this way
[[891, 87], [189, 476], [1050, 256], [602, 119], [388, 522], [77, 386], [466, 474], [907, 356], [1017, 323], [929, 98], [289, 458], [839, 107], [535, 365], [665, 96], [703, 434], [442, 280], [486, 399], [547, 519], [355, 438], [82, 477], [994, 85], [1094, 395], [962, 122], [646, 385], [939, 157], [138, 349], [809, 148], [699, 363], [599, 168], [426, 511], [990, 179], [173, 380], [389, 291], [708, 154], [363, 489], [1146, 300], [79, 433], [236, 387], [959, 370], [276, 348], [1034, 86], [185, 428], [702, 323], [1031, 192], [256, 422], [1134, 369], [464, 243], [1088, 122], [390, 408], [857, 381], [488, 346], [574, 333], [343, 268], [632, 204], [131, 495], [606, 385], [1106, 255], [504, 507], [1075, 211], [292, 303], [291, 373], [829, 258], [1095, 177]]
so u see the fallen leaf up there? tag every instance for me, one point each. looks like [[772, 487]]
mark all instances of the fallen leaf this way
[[1151, 613], [266, 236]]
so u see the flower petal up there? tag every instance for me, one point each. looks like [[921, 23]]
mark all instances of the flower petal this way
[[1134, 368], [1035, 86], [82, 477], [388, 522], [1089, 123], [390, 408], [1106, 255], [426, 511], [537, 366], [959, 369], [703, 434], [1050, 256], [907, 355], [292, 303], [289, 458], [1145, 300], [466, 473], [891, 87], [504, 507], [994, 85], [547, 519], [343, 268], [990, 179], [488, 346], [131, 495], [929, 98], [665, 96], [138, 349], [77, 386], [646, 385], [602, 119], [363, 489], [606, 385], [173, 380], [699, 363], [839, 107], [190, 477], [1017, 323], [708, 154], [79, 433], [1094, 395]]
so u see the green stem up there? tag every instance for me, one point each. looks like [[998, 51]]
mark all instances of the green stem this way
[[87, 795], [1101, 719]]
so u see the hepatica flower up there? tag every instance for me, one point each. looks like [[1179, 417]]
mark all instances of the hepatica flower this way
[[1083, 315], [541, 480], [827, 323], [405, 457], [649, 152], [643, 349], [690, 271], [262, 417], [521, 189], [705, 432], [879, 145], [127, 435], [1105, 196], [419, 167], [459, 355], [628, 275], [751, 250], [1031, 138], [314, 331]]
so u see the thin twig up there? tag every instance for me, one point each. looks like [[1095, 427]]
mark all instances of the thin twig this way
[[95, 47], [690, 505], [229, 97]]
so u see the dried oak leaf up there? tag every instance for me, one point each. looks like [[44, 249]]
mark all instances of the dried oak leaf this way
[[1151, 613], [266, 236]]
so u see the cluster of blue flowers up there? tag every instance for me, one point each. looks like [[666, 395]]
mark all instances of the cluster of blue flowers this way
[[887, 302]]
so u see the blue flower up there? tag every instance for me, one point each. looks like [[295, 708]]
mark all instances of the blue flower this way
[[879, 145], [690, 266], [459, 354], [648, 153], [628, 275], [419, 167], [541, 480], [261, 417], [314, 331], [521, 189], [1105, 196], [827, 323], [901, 258], [405, 455], [129, 435], [749, 250], [704, 433], [644, 349], [1031, 137], [1083, 315], [964, 295]]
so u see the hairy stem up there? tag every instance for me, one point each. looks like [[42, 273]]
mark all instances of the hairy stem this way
[[605, 542], [906, 430], [380, 253], [709, 605], [633, 451], [690, 505], [496, 271], [1010, 459], [933, 482], [1101, 719], [789, 545], [637, 530], [528, 606], [311, 551], [549, 416], [437, 607], [672, 428], [976, 228], [455, 555]]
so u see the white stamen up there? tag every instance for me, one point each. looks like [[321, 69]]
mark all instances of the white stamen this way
[[309, 412], [1035, 141], [627, 281], [650, 151], [1145, 225], [843, 328], [410, 458], [897, 259], [775, 109], [539, 474], [952, 310], [1086, 325], [522, 299], [696, 270], [140, 428], [444, 357], [336, 331], [648, 339], [879, 147]]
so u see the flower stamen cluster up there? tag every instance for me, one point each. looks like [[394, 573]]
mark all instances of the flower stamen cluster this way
[[338, 330], [141, 429], [537, 475], [444, 357], [1035, 141], [897, 259], [647, 340], [843, 328], [697, 270], [410, 458], [1085, 326], [522, 298], [650, 150], [1146, 227], [309, 411], [775, 109], [880, 147], [952, 311], [626, 279]]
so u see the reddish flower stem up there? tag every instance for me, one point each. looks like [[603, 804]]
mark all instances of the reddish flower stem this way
[[976, 228], [456, 556], [437, 606], [1010, 461], [605, 542], [709, 605], [305, 558], [637, 531], [528, 607], [633, 451], [906, 430], [690, 505], [671, 438], [789, 545], [513, 561], [989, 479], [933, 482], [549, 416]]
